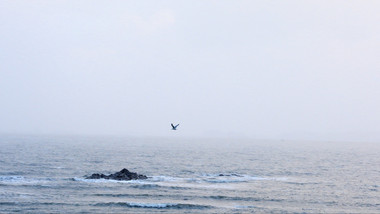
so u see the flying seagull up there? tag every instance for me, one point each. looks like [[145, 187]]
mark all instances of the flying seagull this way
[[174, 127]]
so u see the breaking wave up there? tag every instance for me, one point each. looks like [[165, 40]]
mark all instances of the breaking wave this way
[[21, 180], [180, 183], [155, 205]]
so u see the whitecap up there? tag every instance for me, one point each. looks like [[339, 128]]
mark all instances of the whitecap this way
[[148, 205], [11, 178], [21, 180], [234, 178], [155, 205], [161, 178], [244, 207], [102, 180]]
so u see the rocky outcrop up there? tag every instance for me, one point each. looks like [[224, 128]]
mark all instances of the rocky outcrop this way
[[123, 175]]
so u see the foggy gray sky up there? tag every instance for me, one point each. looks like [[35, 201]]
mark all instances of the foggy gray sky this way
[[260, 69]]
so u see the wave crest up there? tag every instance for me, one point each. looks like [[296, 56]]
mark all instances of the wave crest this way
[[155, 205], [20, 180]]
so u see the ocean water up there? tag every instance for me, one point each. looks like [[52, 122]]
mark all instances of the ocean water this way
[[40, 174]]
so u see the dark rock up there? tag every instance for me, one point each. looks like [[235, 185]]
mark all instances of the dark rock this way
[[230, 175], [123, 175]]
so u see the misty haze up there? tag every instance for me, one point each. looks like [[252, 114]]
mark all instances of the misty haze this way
[[277, 105]]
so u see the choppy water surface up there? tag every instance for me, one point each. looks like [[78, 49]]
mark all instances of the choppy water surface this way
[[46, 175]]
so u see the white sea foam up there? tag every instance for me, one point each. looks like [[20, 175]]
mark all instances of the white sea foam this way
[[202, 181], [21, 180], [244, 207], [213, 178], [162, 178], [143, 183], [233, 178], [155, 205], [11, 178], [151, 205], [102, 180]]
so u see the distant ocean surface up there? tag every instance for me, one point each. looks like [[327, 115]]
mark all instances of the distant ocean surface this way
[[46, 175]]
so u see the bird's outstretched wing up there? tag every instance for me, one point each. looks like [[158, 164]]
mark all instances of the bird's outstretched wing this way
[[174, 126]]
